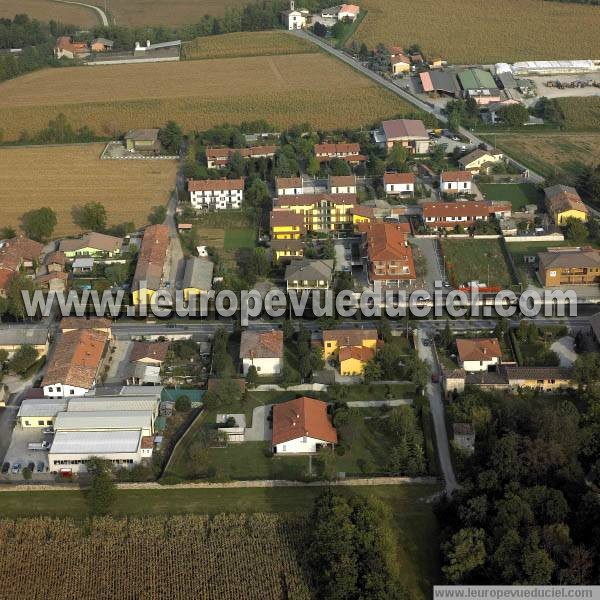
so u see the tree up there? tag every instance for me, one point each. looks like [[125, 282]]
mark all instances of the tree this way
[[313, 167], [514, 115], [158, 214], [464, 554], [39, 224], [252, 376], [22, 359], [576, 231], [372, 371], [7, 232], [90, 216], [447, 337], [183, 404], [3, 356], [338, 166], [226, 392], [27, 473], [102, 492], [171, 137]]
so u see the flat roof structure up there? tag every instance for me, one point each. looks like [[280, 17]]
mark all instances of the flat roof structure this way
[[96, 442], [38, 407], [113, 420], [111, 403]]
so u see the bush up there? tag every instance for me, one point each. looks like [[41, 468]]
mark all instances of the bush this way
[[183, 404]]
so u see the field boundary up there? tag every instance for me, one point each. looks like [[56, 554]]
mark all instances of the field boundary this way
[[96, 9]]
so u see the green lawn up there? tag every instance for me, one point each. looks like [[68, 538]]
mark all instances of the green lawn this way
[[476, 260], [518, 194], [239, 238], [409, 517]]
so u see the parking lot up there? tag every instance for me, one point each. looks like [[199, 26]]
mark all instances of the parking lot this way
[[19, 453]]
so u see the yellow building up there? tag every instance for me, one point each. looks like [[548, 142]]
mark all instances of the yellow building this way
[[334, 339], [286, 250], [542, 379], [354, 358], [287, 225], [197, 278], [563, 203], [40, 412]]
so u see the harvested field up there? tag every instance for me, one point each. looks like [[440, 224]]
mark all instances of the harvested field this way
[[227, 556], [546, 152], [159, 12], [284, 90], [66, 176], [45, 10], [476, 31], [259, 43]]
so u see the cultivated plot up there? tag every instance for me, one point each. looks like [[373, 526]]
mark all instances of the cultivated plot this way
[[46, 10]]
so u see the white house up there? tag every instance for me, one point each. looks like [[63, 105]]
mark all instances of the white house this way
[[399, 184], [262, 350], [75, 363], [302, 426], [289, 186], [342, 184], [348, 11], [294, 19], [478, 354], [216, 194], [456, 182]]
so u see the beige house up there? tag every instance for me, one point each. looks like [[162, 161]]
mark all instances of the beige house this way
[[480, 161]]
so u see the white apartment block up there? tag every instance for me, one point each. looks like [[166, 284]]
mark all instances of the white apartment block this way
[[216, 194]]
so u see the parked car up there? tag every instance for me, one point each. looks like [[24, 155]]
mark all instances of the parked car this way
[[16, 468], [5, 468], [40, 467], [455, 138], [31, 466], [426, 342], [435, 378]]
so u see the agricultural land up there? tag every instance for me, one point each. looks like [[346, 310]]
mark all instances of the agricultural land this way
[[284, 90], [475, 31], [476, 260], [259, 43], [158, 12], [63, 177], [407, 514], [46, 10]]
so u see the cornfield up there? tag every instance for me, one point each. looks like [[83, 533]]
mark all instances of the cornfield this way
[[232, 45], [478, 31], [284, 90], [66, 176], [581, 114], [178, 557]]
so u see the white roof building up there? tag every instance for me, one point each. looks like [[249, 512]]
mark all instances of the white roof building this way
[[105, 420], [94, 443]]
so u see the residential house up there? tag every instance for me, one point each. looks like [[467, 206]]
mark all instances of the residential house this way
[[82, 265], [302, 426], [478, 354], [197, 278], [262, 350], [285, 250], [463, 436], [480, 161], [362, 214], [152, 260], [348, 151], [543, 379], [149, 353], [287, 225], [55, 261], [388, 254], [399, 184], [353, 359], [216, 194], [217, 158], [408, 133], [6, 276], [342, 184], [94, 245], [12, 338], [309, 274], [294, 19], [289, 186], [448, 215], [323, 213], [143, 140], [456, 182], [563, 203], [101, 45], [20, 253], [65, 47], [74, 365], [336, 339], [348, 12], [53, 281], [569, 266], [400, 63]]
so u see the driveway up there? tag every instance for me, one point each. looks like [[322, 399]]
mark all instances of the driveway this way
[[436, 404], [565, 349], [261, 427], [117, 370], [427, 249]]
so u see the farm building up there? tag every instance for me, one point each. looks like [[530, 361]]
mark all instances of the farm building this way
[[302, 426], [479, 84], [440, 82], [554, 67], [143, 140]]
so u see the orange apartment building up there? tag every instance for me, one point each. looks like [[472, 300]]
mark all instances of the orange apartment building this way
[[569, 266]]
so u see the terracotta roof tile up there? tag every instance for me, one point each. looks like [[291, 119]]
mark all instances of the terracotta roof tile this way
[[302, 417], [478, 349], [261, 344]]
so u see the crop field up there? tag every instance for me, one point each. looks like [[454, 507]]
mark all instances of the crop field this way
[[477, 31], [45, 10], [259, 43], [227, 556], [63, 177], [160, 12], [581, 114], [547, 152], [476, 260], [284, 90]]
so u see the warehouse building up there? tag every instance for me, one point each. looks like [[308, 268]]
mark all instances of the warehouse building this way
[[553, 67], [479, 84]]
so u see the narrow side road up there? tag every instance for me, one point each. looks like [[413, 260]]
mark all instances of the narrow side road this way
[[99, 11]]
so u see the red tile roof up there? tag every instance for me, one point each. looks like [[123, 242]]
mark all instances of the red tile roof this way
[[288, 182], [205, 185], [261, 344], [348, 148], [302, 417], [152, 350], [361, 353], [310, 199], [349, 337], [456, 176], [5, 276], [399, 178], [456, 209], [283, 218], [342, 180], [404, 128], [152, 256], [483, 349]]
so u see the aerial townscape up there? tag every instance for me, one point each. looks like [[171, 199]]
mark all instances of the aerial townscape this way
[[299, 300]]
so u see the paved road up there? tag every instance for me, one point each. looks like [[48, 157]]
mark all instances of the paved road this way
[[101, 13], [437, 411]]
